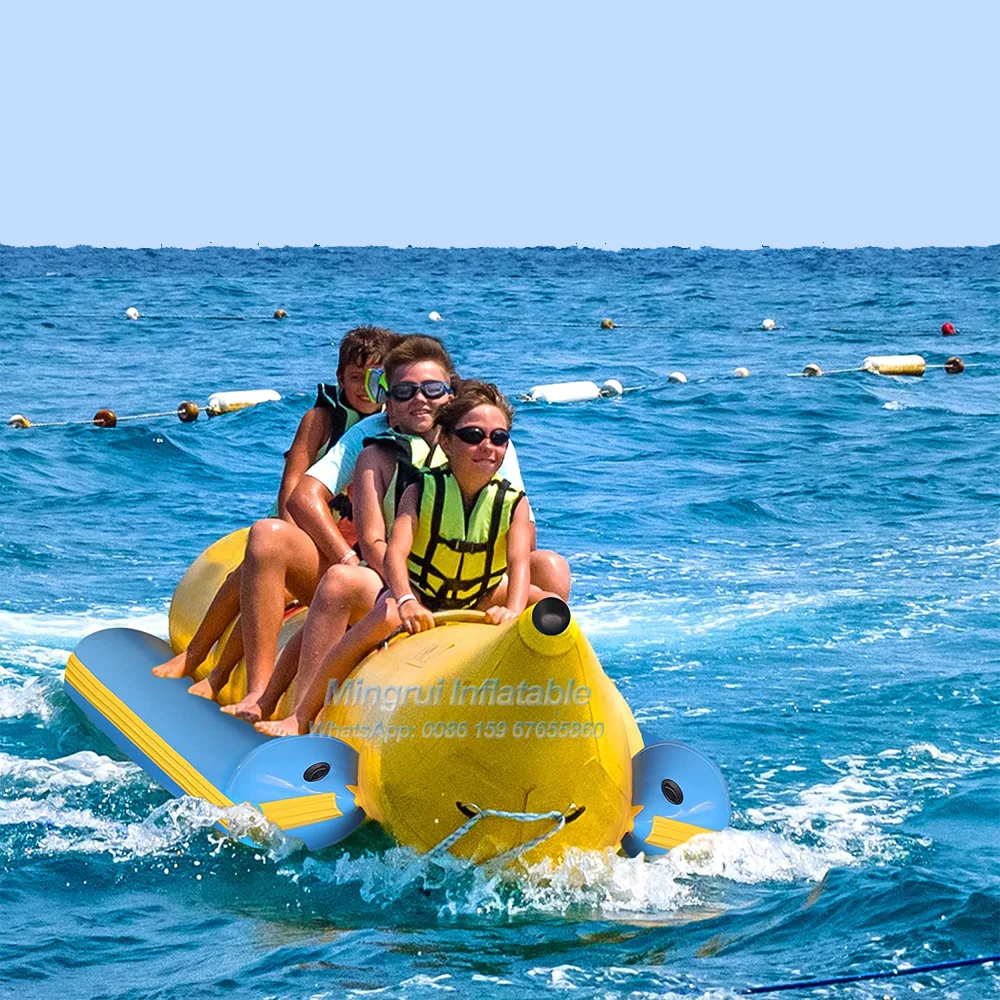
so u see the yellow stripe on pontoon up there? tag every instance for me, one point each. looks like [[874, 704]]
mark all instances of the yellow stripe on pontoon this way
[[668, 833], [301, 811], [161, 753], [285, 813]]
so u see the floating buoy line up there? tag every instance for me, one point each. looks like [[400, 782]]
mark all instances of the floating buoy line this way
[[187, 411], [767, 325]]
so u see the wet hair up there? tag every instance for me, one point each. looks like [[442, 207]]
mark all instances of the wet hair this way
[[470, 394], [410, 350], [365, 345]]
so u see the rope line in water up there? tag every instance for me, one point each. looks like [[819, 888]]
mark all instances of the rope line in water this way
[[514, 321], [867, 976]]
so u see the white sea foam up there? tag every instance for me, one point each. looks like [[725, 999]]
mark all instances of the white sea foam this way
[[41, 777], [43, 628], [72, 830], [28, 698]]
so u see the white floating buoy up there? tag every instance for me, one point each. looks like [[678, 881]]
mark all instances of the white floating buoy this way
[[812, 370], [742, 372], [895, 364], [18, 420], [131, 313], [227, 402], [434, 316], [677, 377], [564, 392], [573, 392], [767, 324]]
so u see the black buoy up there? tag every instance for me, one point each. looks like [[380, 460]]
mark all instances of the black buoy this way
[[551, 616]]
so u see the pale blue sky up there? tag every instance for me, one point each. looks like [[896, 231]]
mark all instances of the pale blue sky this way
[[477, 124]]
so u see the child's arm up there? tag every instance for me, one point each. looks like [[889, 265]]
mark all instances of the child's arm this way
[[412, 614], [313, 432], [367, 503], [518, 567]]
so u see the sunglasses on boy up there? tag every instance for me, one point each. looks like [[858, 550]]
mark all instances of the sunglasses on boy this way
[[476, 435], [378, 388]]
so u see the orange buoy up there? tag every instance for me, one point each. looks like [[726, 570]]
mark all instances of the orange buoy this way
[[948, 330], [105, 418], [280, 314], [607, 323], [18, 420], [954, 366], [187, 411]]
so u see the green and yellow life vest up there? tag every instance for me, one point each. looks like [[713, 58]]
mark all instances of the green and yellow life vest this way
[[455, 561], [413, 454]]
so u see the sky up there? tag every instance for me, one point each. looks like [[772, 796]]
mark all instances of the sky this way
[[607, 125]]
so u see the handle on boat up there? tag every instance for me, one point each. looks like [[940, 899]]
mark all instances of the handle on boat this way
[[446, 617], [442, 618]]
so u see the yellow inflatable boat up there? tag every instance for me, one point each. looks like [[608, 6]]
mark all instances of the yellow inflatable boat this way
[[486, 741]]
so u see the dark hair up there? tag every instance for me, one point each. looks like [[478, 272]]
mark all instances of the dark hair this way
[[365, 345], [470, 394], [410, 350]]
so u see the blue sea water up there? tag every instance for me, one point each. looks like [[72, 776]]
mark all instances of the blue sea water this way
[[801, 577]]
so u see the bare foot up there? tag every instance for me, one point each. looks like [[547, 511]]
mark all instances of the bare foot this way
[[247, 709], [281, 727], [203, 689], [176, 667]]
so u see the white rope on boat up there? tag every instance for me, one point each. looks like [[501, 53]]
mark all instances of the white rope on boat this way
[[558, 818]]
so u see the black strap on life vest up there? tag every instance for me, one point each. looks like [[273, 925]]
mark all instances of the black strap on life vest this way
[[330, 398], [437, 513]]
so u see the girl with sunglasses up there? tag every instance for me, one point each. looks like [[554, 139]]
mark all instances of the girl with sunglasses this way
[[472, 549]]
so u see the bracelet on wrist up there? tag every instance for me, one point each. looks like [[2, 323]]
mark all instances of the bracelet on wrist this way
[[348, 556], [403, 598]]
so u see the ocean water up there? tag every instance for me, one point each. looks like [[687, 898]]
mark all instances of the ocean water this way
[[801, 577]]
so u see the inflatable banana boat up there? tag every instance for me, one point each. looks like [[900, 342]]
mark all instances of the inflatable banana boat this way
[[486, 741]]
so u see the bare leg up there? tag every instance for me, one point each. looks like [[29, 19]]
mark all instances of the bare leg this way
[[374, 628], [549, 578], [284, 673], [550, 571], [223, 609], [232, 653], [278, 555], [344, 596]]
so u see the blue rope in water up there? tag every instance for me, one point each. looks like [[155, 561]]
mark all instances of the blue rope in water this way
[[892, 974]]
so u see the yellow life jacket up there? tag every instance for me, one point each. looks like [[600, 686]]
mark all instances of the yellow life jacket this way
[[413, 453], [455, 561]]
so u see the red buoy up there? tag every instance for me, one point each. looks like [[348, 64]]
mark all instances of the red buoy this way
[[105, 418], [948, 330]]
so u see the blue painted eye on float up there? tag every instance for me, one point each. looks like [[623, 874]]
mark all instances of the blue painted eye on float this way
[[679, 793]]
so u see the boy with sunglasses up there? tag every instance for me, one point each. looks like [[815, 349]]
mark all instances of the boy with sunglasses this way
[[460, 539]]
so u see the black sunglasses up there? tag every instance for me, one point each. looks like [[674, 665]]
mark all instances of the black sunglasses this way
[[476, 435], [432, 389]]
